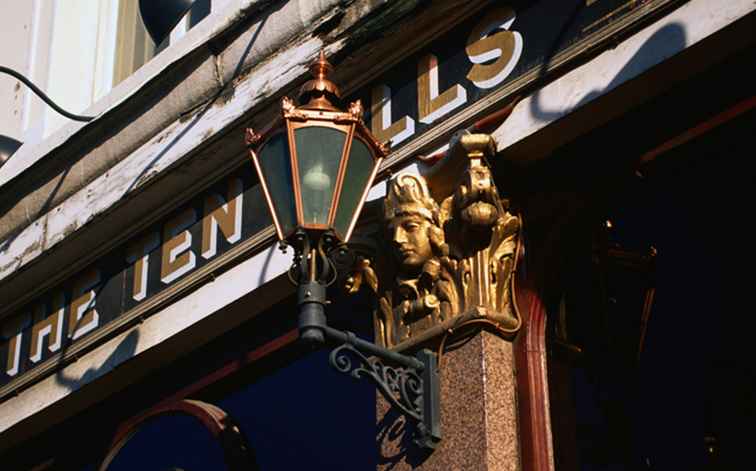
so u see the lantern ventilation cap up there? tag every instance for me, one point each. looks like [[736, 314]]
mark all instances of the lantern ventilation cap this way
[[320, 92]]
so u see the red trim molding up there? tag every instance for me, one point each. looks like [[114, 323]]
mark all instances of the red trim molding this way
[[237, 453], [701, 128], [532, 385]]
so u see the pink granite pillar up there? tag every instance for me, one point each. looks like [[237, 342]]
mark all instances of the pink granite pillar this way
[[478, 414]]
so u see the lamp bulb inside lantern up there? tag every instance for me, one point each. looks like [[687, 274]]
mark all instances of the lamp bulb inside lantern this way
[[316, 179]]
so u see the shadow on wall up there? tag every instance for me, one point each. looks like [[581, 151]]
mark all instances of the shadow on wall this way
[[667, 41], [395, 442], [125, 350]]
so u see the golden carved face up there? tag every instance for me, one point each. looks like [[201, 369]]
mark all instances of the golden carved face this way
[[410, 238], [410, 213]]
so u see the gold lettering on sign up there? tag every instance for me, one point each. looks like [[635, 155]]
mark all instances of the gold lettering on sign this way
[[13, 331], [432, 105], [226, 214], [380, 121], [83, 317], [178, 257], [14, 355], [139, 254], [52, 327], [490, 40]]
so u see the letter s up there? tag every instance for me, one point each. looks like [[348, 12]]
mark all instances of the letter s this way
[[505, 46]]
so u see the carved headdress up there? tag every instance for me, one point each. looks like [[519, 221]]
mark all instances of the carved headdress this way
[[408, 194]]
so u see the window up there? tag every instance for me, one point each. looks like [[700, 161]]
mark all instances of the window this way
[[81, 49], [135, 46]]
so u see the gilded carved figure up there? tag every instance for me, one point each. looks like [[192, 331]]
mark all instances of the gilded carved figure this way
[[452, 261], [421, 295]]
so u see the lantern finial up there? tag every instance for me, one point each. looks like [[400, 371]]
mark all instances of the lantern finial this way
[[320, 91]]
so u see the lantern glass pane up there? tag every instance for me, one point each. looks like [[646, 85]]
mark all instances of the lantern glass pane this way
[[358, 171], [319, 151], [275, 163]]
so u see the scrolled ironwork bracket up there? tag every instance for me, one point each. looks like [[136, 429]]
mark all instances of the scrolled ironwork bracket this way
[[411, 384]]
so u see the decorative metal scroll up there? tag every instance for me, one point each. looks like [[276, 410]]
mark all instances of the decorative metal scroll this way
[[402, 387], [413, 388]]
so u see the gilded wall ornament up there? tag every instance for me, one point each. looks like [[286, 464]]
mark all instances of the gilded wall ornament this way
[[451, 260]]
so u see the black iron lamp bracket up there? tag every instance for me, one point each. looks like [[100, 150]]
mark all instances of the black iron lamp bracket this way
[[411, 384]]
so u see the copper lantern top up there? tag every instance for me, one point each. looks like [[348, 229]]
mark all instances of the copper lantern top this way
[[320, 92]]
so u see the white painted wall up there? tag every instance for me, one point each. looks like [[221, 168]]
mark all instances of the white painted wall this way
[[73, 58], [39, 68], [218, 5], [67, 48], [15, 41]]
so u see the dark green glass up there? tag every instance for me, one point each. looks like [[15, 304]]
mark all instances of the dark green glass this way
[[359, 168], [275, 162], [319, 152]]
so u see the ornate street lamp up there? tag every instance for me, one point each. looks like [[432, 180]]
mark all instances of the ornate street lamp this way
[[315, 171]]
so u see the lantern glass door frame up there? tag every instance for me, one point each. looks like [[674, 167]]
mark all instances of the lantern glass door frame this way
[[308, 206], [343, 154]]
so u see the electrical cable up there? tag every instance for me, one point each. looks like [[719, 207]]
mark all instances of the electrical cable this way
[[44, 97]]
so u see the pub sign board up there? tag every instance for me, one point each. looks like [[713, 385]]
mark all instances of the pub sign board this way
[[482, 54], [188, 239], [485, 53]]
